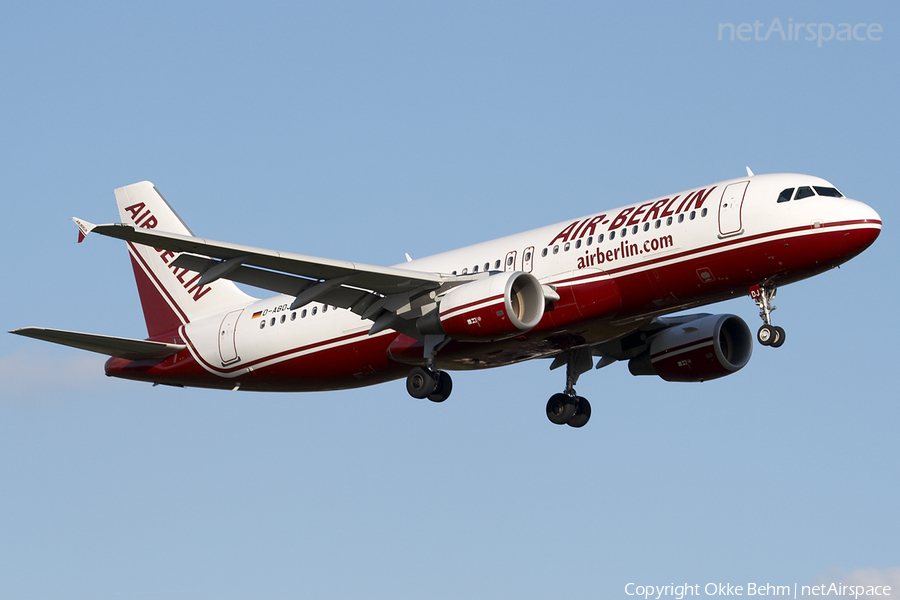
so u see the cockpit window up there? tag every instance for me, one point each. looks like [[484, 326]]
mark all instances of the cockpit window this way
[[804, 192], [785, 195], [828, 191]]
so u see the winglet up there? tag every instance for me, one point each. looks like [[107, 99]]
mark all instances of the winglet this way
[[84, 228]]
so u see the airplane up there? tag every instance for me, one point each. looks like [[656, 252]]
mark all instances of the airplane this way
[[600, 286]]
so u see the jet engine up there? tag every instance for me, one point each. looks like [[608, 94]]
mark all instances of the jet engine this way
[[497, 307], [706, 348]]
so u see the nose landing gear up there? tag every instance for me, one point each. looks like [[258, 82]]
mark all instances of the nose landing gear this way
[[768, 334]]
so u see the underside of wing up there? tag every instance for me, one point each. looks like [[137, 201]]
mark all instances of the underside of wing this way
[[387, 295], [127, 348]]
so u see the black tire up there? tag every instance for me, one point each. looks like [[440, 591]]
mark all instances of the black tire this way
[[444, 387], [560, 408], [582, 413], [420, 383], [766, 335], [779, 337]]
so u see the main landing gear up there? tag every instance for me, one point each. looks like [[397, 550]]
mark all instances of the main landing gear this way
[[768, 334], [567, 408], [428, 381]]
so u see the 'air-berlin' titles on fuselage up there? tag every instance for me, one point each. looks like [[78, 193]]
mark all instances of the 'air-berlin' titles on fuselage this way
[[633, 215], [143, 218]]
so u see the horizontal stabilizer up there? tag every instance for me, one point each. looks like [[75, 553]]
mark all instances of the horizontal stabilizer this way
[[126, 348]]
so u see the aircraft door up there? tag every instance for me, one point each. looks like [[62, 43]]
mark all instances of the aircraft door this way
[[730, 208], [509, 264], [227, 346], [528, 259]]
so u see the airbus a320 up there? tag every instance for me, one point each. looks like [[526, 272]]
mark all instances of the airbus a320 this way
[[600, 287]]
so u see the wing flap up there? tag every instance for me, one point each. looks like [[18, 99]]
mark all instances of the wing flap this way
[[127, 348]]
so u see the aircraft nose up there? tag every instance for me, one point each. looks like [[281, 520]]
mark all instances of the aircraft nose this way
[[865, 223]]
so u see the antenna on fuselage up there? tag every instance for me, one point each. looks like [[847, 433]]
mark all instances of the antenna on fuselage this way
[[749, 172]]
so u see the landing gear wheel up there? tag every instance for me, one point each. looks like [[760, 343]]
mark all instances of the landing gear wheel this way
[[421, 382], [766, 335], [560, 408], [779, 337], [443, 388], [582, 413]]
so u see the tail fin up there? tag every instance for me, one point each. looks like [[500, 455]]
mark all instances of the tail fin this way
[[170, 296]]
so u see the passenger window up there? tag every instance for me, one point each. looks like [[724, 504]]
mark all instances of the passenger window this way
[[303, 314], [804, 192], [262, 324], [314, 309], [634, 230], [497, 262], [828, 191], [578, 243], [669, 221], [590, 240], [693, 214], [527, 256], [487, 266], [681, 218], [475, 269], [658, 223], [272, 322], [600, 238], [294, 316], [612, 235], [785, 195], [556, 249], [624, 232], [325, 308], [646, 226], [567, 246], [283, 318], [465, 271], [703, 212], [543, 254]]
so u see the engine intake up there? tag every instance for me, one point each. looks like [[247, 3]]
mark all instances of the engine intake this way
[[494, 308], [706, 348]]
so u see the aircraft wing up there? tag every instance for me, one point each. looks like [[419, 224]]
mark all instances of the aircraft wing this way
[[386, 295], [127, 348]]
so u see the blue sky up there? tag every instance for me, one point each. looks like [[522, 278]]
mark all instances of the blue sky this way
[[362, 131]]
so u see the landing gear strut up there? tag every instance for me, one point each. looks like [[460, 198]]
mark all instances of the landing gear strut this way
[[428, 381], [567, 408], [768, 334]]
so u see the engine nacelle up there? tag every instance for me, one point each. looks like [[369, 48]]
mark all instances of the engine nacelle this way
[[494, 308], [706, 348]]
